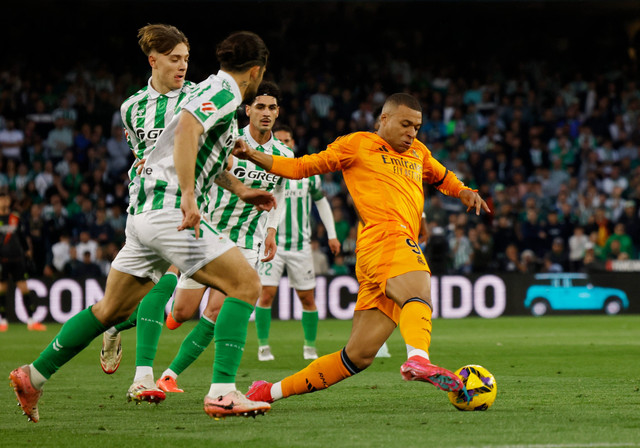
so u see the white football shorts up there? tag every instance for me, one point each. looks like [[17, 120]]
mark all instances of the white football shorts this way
[[299, 264], [153, 243]]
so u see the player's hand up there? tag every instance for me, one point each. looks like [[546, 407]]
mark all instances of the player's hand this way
[[270, 246], [190, 214], [139, 165], [263, 200], [473, 201], [334, 246], [241, 150]]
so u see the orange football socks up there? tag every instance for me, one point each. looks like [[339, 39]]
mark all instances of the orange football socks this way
[[320, 374], [415, 324]]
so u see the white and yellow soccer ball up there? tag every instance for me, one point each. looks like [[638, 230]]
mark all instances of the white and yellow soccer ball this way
[[481, 389]]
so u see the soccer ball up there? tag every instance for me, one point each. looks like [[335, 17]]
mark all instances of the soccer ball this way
[[481, 389]]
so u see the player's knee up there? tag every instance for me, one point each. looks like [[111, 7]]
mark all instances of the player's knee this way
[[111, 315], [362, 358], [181, 313], [308, 302]]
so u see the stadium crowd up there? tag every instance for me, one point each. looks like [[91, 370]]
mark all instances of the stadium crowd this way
[[556, 157]]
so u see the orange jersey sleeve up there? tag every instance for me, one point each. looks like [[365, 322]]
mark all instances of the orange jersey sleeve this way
[[386, 186], [334, 158]]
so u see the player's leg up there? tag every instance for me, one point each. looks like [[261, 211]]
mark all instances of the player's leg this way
[[111, 351], [369, 331], [194, 344], [303, 278], [263, 322], [270, 275], [30, 299], [232, 274], [150, 323], [122, 294], [412, 292], [309, 322]]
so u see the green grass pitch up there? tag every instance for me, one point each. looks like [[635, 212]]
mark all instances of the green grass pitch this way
[[563, 381]]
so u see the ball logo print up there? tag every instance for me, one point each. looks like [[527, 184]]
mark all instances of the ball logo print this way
[[479, 392]]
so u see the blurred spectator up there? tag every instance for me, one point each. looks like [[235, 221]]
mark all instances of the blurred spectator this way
[[59, 139], [102, 261], [529, 261], [120, 157], [101, 231], [72, 268], [44, 180], [558, 255], [461, 248], [437, 251], [577, 247], [624, 243], [11, 140], [88, 268], [86, 244], [61, 252], [349, 249], [510, 262], [320, 259], [483, 259], [338, 267]]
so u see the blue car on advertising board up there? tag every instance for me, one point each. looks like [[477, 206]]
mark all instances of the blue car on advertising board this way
[[572, 292]]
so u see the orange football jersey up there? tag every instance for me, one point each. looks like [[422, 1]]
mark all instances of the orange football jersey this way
[[386, 186]]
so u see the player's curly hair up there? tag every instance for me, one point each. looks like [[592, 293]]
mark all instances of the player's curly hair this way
[[241, 51], [161, 38]]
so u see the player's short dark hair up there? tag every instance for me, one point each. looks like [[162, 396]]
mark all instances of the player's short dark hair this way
[[161, 38], [241, 51], [269, 88], [404, 99], [284, 128]]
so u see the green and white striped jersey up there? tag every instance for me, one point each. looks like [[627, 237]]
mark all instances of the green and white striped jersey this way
[[242, 222], [146, 113], [213, 102], [294, 229]]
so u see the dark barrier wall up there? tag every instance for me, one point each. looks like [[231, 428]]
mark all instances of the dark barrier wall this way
[[453, 296]]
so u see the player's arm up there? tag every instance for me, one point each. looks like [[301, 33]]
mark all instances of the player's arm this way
[[263, 200], [132, 139], [448, 183], [273, 219], [326, 216], [185, 151], [329, 160]]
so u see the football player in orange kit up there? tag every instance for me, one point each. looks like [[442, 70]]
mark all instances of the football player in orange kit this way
[[384, 172]]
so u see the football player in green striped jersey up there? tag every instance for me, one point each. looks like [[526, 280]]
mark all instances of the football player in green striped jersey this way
[[242, 223], [145, 115], [165, 227], [294, 253]]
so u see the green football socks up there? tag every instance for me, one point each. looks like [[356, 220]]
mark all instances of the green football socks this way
[[193, 345], [310, 327], [230, 337], [151, 319], [263, 324], [73, 337]]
